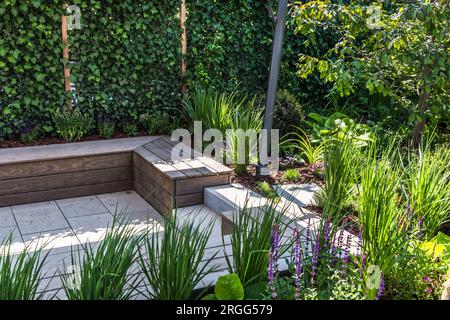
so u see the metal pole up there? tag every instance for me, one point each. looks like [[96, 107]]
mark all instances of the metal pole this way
[[277, 50]]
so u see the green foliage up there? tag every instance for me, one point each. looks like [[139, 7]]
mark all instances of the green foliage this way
[[20, 274], [247, 116], [338, 288], [31, 78], [128, 57], [291, 175], [309, 152], [114, 73], [266, 190], [381, 214], [428, 185], [172, 261], [106, 129], [340, 176], [250, 241], [157, 122], [229, 287], [130, 128], [30, 135], [105, 268], [396, 50], [443, 240], [72, 125], [230, 44], [416, 275], [215, 110], [340, 127], [288, 112]]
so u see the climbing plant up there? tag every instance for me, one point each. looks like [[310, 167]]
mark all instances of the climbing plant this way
[[31, 82], [126, 58], [124, 61]]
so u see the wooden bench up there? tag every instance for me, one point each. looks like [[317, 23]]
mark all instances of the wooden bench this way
[[44, 173], [167, 181]]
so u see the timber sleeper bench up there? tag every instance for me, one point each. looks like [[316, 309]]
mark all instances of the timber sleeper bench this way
[[59, 171]]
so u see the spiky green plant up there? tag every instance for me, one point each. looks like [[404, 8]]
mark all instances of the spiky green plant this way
[[103, 270], [428, 187], [381, 213], [266, 190], [309, 152], [242, 140], [251, 240], [214, 109], [20, 274], [173, 261], [340, 175], [72, 125], [291, 175]]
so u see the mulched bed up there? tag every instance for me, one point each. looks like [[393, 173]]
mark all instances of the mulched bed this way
[[55, 140], [308, 174]]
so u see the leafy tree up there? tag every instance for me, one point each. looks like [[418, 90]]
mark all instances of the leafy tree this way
[[399, 50]]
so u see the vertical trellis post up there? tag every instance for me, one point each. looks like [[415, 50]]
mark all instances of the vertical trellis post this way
[[183, 46], [65, 39]]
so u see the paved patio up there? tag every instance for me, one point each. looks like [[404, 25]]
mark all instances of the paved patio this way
[[66, 225]]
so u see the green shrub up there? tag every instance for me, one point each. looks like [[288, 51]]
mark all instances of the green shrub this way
[[309, 152], [288, 112], [339, 175], [105, 268], [20, 274], [130, 129], [72, 125], [214, 109], [381, 214], [291, 175], [416, 275], [157, 122], [106, 129], [30, 135], [172, 261], [266, 190], [339, 126]]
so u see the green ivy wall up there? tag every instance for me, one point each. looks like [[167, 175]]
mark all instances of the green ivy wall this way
[[126, 59]]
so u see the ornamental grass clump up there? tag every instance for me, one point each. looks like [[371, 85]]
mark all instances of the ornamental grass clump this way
[[309, 151], [251, 241], [215, 110], [428, 185], [242, 137], [103, 271], [20, 274], [340, 175], [72, 125], [173, 261]]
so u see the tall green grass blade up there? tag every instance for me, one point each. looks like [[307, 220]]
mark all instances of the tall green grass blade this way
[[173, 260]]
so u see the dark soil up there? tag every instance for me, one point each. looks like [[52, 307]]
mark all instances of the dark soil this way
[[308, 174], [14, 143]]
